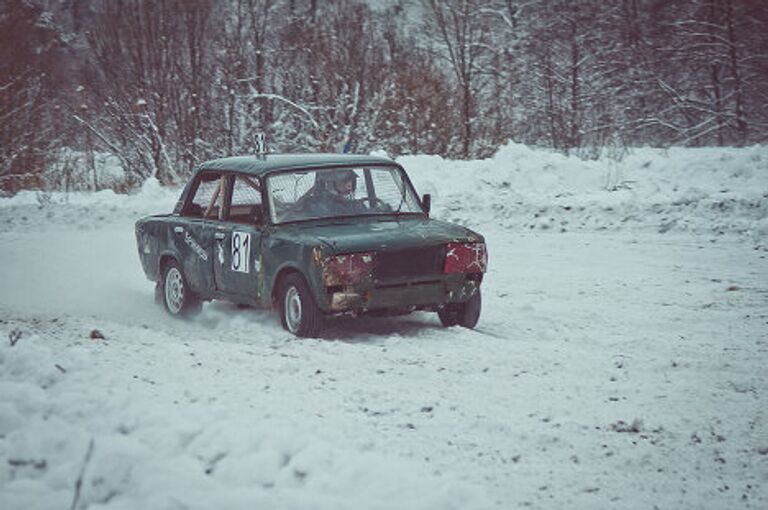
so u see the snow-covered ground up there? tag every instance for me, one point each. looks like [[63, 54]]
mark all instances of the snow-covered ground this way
[[620, 361]]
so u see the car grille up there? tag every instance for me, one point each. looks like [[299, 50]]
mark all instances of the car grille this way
[[410, 263]]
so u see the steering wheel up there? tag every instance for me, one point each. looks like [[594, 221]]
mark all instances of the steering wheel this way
[[377, 204]]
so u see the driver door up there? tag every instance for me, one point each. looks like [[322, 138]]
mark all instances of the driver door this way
[[237, 262]]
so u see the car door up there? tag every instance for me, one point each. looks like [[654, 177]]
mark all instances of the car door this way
[[194, 234], [237, 264]]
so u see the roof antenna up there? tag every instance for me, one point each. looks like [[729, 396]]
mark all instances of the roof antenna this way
[[261, 145]]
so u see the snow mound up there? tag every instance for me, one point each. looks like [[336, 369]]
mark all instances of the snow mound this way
[[83, 210], [711, 191], [64, 422], [707, 191]]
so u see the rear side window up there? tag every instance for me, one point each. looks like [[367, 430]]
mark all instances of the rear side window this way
[[208, 197], [245, 206]]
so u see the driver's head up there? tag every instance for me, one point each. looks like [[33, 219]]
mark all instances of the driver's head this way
[[342, 183], [345, 188]]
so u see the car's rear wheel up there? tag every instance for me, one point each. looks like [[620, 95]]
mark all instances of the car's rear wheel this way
[[178, 299], [462, 314], [298, 311]]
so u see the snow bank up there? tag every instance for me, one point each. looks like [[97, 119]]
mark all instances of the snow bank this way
[[83, 210], [65, 422], [709, 191]]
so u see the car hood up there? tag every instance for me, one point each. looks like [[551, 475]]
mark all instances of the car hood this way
[[350, 236]]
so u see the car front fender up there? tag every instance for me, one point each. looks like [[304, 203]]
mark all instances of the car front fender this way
[[302, 260]]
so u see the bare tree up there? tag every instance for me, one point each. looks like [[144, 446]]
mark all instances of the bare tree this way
[[708, 66], [417, 115], [30, 67], [334, 64], [152, 75], [163, 84], [460, 31]]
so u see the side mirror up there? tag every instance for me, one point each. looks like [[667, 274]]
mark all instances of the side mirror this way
[[426, 203]]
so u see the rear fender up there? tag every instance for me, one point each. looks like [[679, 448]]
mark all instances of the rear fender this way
[[165, 257]]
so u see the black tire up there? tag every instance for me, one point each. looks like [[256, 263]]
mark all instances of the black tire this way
[[178, 299], [299, 312], [462, 314]]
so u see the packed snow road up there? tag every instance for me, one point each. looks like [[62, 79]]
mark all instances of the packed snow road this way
[[608, 370]]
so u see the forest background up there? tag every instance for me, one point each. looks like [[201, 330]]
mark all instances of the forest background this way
[[157, 86]]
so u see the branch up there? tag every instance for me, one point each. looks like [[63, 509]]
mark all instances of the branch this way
[[275, 97], [14, 80], [497, 12], [8, 163], [702, 133], [101, 137], [167, 159], [79, 482], [353, 114], [15, 111]]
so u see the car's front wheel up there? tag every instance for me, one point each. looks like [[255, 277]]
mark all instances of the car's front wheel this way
[[298, 311], [462, 314], [178, 299]]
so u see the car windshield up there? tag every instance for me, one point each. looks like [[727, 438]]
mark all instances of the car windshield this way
[[334, 192]]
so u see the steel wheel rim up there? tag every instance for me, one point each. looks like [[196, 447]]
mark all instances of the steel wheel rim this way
[[292, 307], [174, 290]]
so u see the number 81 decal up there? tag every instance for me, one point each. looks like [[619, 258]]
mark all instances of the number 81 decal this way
[[241, 251]]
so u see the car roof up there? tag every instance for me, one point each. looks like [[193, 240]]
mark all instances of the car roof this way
[[259, 165]]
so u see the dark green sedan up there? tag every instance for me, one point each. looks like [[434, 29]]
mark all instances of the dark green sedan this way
[[314, 235]]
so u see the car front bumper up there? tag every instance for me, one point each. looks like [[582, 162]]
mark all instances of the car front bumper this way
[[402, 295]]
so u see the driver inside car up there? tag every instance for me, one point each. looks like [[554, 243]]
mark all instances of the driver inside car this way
[[334, 194]]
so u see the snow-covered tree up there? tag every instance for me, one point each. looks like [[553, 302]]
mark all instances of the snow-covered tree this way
[[31, 67]]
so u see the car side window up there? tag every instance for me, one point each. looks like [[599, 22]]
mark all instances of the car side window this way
[[246, 207], [208, 198]]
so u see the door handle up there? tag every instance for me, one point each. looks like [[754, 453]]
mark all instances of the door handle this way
[[178, 230], [219, 236]]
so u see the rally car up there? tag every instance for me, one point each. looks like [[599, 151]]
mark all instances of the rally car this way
[[315, 236]]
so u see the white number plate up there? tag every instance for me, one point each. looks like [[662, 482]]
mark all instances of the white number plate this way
[[241, 252]]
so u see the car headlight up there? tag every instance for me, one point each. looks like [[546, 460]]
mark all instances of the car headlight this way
[[347, 269], [465, 258]]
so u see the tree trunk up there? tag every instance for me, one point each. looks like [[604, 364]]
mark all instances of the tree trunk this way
[[741, 122]]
